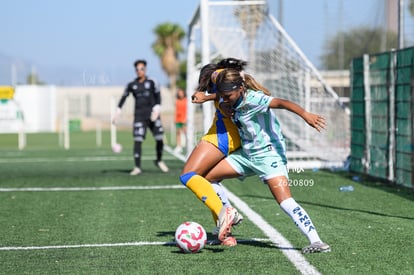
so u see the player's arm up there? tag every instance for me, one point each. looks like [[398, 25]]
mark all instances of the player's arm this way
[[123, 97], [156, 93], [121, 102], [156, 108], [201, 97], [316, 121]]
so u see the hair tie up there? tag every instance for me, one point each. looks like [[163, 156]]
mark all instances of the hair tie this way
[[215, 74]]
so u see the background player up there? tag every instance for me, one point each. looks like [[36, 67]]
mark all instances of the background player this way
[[146, 115], [180, 119]]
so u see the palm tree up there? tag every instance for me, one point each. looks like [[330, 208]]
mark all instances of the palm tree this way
[[167, 47]]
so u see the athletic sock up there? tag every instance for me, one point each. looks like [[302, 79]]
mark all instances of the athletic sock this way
[[203, 190], [221, 193], [159, 146], [301, 219], [137, 153]]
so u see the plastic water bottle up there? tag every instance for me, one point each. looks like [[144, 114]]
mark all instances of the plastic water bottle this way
[[347, 188]]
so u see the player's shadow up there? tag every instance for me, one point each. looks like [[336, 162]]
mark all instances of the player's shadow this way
[[264, 244], [214, 245], [116, 171]]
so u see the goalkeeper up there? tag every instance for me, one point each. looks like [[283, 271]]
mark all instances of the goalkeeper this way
[[146, 115]]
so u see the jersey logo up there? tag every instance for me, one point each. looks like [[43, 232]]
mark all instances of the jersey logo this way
[[147, 85], [274, 164], [134, 87]]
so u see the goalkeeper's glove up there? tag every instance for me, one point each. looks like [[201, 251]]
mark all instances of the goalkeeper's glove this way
[[155, 112], [116, 116]]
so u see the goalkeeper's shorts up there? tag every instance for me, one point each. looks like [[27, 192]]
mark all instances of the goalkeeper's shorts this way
[[223, 134]]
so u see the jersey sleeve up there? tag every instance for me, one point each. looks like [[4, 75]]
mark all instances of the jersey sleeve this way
[[259, 102], [156, 92], [124, 97]]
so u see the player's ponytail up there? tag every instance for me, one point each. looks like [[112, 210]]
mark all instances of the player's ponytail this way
[[252, 84]]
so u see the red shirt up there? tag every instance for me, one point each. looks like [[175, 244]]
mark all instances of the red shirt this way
[[181, 110]]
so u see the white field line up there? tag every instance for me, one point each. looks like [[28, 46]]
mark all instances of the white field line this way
[[104, 188], [75, 159], [209, 242], [96, 158], [295, 257], [8, 248]]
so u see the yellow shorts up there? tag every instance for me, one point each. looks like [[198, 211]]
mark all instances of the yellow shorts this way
[[223, 134]]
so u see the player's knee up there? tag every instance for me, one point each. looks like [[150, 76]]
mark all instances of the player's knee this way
[[159, 137], [138, 138], [186, 177]]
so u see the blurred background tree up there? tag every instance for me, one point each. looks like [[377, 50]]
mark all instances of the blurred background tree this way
[[344, 46], [168, 46], [182, 75], [33, 78]]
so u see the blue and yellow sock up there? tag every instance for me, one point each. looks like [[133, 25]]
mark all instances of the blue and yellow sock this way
[[203, 189]]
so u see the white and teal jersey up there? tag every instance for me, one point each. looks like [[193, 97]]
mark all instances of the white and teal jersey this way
[[259, 128]]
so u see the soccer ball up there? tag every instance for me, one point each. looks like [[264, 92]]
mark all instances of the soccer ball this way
[[117, 148], [190, 237]]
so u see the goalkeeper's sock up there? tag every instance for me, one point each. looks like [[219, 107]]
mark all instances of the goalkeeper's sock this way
[[301, 219], [137, 153], [159, 146], [203, 190]]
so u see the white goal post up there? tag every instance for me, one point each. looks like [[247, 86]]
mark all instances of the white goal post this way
[[246, 30]]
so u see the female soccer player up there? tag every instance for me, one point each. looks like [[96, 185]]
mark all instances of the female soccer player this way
[[221, 140], [263, 146]]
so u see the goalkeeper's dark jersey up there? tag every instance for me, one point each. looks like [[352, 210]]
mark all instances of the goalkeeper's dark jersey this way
[[146, 95]]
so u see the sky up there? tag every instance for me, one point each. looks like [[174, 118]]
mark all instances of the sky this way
[[95, 42]]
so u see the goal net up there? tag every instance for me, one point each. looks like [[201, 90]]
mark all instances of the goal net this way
[[246, 30]]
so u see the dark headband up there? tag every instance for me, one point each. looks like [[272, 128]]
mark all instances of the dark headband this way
[[228, 86]]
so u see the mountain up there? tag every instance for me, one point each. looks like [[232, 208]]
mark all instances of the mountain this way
[[14, 69], [6, 69]]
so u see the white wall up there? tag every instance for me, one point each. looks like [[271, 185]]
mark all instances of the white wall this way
[[38, 104], [43, 107], [10, 121]]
